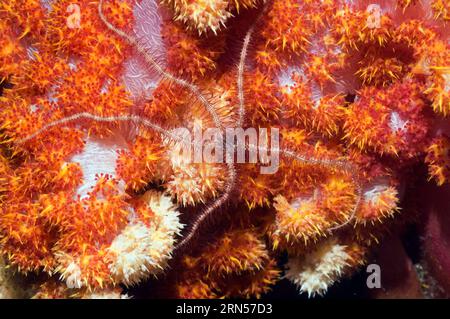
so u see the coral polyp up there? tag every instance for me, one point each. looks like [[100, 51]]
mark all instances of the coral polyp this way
[[202, 15], [316, 271], [337, 112]]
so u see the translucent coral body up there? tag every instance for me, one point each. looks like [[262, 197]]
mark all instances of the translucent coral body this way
[[98, 195]]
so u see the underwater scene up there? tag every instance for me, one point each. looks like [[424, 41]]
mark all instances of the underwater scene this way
[[224, 149]]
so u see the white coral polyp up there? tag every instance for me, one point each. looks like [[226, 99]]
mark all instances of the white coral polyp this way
[[204, 14], [316, 271], [192, 184], [72, 275], [142, 250]]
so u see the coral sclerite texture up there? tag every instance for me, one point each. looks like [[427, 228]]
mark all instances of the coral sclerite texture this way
[[98, 198]]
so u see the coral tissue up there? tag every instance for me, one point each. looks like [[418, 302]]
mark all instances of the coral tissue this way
[[96, 199]]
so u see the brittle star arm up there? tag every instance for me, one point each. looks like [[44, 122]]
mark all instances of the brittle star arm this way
[[159, 69], [231, 169], [240, 78], [342, 165], [210, 108], [168, 134], [241, 67]]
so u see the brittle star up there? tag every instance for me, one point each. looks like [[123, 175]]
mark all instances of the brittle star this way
[[344, 166]]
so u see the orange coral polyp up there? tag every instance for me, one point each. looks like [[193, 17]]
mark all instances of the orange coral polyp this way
[[438, 159], [388, 120], [358, 107], [236, 252]]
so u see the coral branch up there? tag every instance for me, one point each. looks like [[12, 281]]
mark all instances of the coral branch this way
[[154, 64]]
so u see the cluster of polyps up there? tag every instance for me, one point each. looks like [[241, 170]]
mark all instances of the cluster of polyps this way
[[355, 107]]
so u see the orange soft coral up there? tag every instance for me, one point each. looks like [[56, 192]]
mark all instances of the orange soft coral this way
[[433, 62], [441, 9], [297, 222], [352, 29], [85, 228], [353, 102], [193, 184], [284, 35], [307, 218], [190, 55], [379, 202], [305, 105], [379, 71], [236, 251], [142, 164], [438, 159], [256, 189], [263, 106], [439, 89], [247, 271], [388, 121], [25, 238]]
